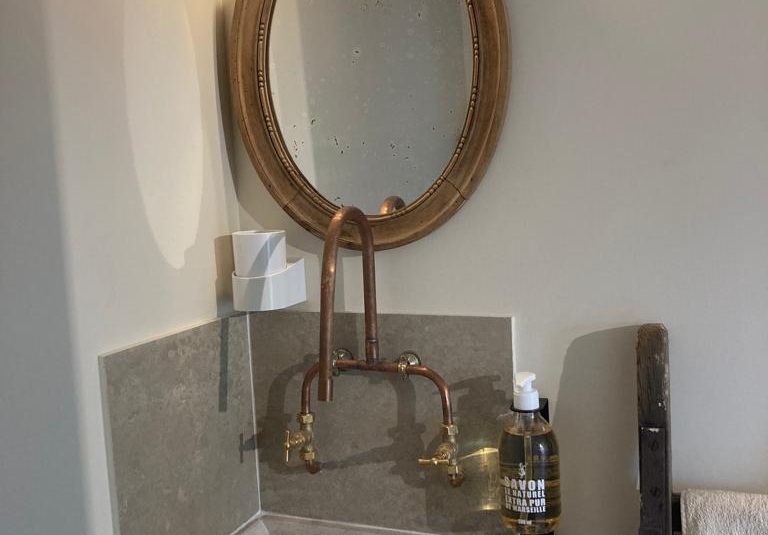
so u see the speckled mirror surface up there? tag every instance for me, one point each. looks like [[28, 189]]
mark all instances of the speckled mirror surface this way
[[394, 107], [370, 96]]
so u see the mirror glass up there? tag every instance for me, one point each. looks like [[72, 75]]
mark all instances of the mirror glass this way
[[371, 96]]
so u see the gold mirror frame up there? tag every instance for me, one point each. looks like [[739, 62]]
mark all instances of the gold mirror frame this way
[[249, 78]]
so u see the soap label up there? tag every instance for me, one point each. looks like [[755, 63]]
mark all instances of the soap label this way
[[524, 495], [529, 480]]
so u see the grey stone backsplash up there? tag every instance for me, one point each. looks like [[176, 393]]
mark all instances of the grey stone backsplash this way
[[370, 437], [175, 410]]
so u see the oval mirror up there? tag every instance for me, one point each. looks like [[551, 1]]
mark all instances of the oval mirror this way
[[390, 106], [376, 104]]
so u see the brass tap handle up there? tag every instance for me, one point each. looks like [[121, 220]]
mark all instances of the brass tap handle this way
[[434, 461], [287, 446], [445, 458], [444, 455], [292, 441]]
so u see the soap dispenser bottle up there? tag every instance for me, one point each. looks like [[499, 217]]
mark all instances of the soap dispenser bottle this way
[[529, 464]]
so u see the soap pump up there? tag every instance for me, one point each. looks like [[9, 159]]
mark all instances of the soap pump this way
[[529, 464]]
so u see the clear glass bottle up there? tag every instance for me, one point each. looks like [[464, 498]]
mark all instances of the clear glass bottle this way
[[529, 465]]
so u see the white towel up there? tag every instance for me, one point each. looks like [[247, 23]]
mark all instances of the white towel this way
[[717, 512]]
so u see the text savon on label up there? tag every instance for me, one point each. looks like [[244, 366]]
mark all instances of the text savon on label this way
[[524, 495]]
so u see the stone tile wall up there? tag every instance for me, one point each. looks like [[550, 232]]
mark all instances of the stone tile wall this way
[[371, 435], [175, 410]]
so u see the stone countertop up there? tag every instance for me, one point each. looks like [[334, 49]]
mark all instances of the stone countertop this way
[[269, 524]]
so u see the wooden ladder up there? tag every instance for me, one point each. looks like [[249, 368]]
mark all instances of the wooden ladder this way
[[660, 509]]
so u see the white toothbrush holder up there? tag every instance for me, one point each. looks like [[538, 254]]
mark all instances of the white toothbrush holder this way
[[263, 279]]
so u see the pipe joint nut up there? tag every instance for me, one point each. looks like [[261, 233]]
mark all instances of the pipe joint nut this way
[[405, 361], [453, 470], [305, 418], [451, 430], [308, 455]]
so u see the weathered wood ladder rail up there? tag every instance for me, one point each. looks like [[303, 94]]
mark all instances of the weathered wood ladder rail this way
[[660, 509]]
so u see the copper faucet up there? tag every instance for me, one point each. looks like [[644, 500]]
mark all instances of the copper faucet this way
[[446, 454], [391, 204], [328, 290]]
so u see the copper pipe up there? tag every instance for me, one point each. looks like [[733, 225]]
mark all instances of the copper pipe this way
[[385, 367], [325, 365], [306, 388], [328, 288], [391, 204], [312, 467]]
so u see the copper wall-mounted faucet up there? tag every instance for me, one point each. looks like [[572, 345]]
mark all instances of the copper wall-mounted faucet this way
[[328, 291], [446, 454]]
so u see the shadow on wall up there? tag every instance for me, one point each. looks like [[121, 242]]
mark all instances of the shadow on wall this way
[[404, 435], [165, 125], [221, 56], [41, 474], [225, 265], [276, 418], [283, 400], [596, 425]]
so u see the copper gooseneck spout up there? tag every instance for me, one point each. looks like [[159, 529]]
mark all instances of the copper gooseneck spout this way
[[328, 290], [446, 454]]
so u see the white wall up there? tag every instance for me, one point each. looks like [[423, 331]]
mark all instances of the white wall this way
[[113, 164], [40, 461], [629, 186]]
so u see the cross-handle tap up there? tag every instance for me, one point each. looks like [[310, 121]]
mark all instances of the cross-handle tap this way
[[444, 453], [302, 439], [446, 456], [293, 439]]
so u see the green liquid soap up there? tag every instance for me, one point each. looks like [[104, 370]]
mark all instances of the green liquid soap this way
[[529, 470]]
